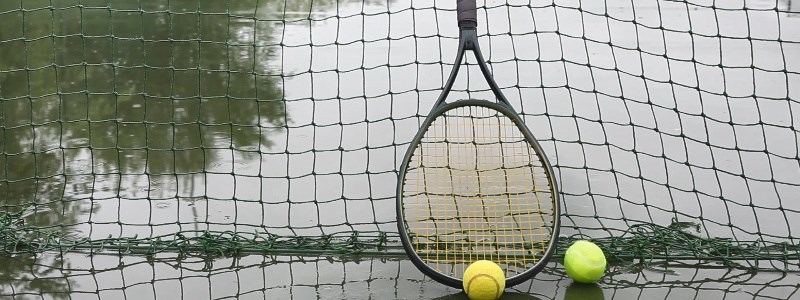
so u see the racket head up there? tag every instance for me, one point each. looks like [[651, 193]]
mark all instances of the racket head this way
[[475, 185]]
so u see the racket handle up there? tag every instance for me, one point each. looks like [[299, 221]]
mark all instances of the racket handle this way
[[467, 14]]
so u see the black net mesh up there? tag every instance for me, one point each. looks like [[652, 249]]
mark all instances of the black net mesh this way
[[223, 127], [169, 276]]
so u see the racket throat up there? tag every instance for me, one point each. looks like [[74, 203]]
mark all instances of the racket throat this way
[[469, 38]]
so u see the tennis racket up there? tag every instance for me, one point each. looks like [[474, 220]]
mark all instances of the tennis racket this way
[[475, 184]]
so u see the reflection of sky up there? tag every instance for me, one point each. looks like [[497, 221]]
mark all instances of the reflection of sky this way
[[608, 83], [628, 113]]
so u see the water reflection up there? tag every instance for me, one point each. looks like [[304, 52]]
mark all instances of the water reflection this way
[[32, 276], [103, 103], [508, 295], [793, 6], [170, 276], [583, 291], [123, 98]]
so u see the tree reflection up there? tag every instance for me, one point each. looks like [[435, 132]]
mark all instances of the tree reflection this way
[[95, 94], [128, 92], [34, 277]]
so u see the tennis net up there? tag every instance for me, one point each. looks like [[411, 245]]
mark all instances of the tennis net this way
[[266, 126]]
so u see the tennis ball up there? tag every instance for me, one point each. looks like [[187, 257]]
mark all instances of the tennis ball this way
[[585, 262], [484, 280]]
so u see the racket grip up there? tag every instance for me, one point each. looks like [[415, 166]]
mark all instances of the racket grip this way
[[467, 14]]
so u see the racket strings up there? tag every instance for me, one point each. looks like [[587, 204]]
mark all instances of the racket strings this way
[[475, 189]]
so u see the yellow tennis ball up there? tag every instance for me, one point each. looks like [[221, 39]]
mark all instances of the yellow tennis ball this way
[[484, 280], [585, 262]]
